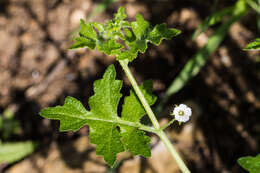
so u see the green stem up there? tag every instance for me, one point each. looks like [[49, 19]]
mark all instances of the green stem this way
[[158, 130], [173, 152], [124, 64], [168, 124]]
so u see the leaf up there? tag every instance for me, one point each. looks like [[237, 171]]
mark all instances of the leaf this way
[[12, 152], [108, 131], [144, 32], [132, 108], [161, 32], [109, 47], [88, 37], [129, 36], [255, 45], [72, 114], [120, 15], [251, 164], [141, 27], [82, 42], [87, 31], [120, 38], [128, 54], [136, 140]]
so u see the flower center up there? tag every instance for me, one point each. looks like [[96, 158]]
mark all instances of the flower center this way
[[181, 113]]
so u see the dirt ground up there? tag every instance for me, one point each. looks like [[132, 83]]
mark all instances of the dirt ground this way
[[37, 70]]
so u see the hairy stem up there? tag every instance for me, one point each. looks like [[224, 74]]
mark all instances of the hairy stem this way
[[124, 64], [173, 152], [168, 124], [159, 131]]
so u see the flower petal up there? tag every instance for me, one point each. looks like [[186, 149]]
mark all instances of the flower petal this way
[[188, 111], [182, 106]]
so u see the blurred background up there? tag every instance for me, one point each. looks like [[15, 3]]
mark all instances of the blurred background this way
[[221, 83]]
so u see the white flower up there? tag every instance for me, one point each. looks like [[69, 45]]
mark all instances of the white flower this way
[[182, 113]]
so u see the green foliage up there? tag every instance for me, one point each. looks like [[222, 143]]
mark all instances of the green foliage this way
[[111, 132], [120, 38], [12, 152], [253, 45], [8, 125], [103, 119], [251, 164], [98, 9], [15, 151], [133, 111]]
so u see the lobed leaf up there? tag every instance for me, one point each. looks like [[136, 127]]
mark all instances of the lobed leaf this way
[[82, 42], [161, 32], [120, 15], [136, 140], [120, 38], [251, 164], [141, 27], [72, 114], [109, 47], [87, 31], [108, 131]]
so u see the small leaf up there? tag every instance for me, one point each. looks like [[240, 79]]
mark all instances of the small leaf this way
[[120, 15], [138, 46], [129, 36], [127, 55], [98, 26], [136, 141], [72, 114], [86, 30], [109, 47], [132, 108], [83, 42], [251, 164], [12, 152], [88, 37], [161, 32], [141, 27], [253, 45]]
